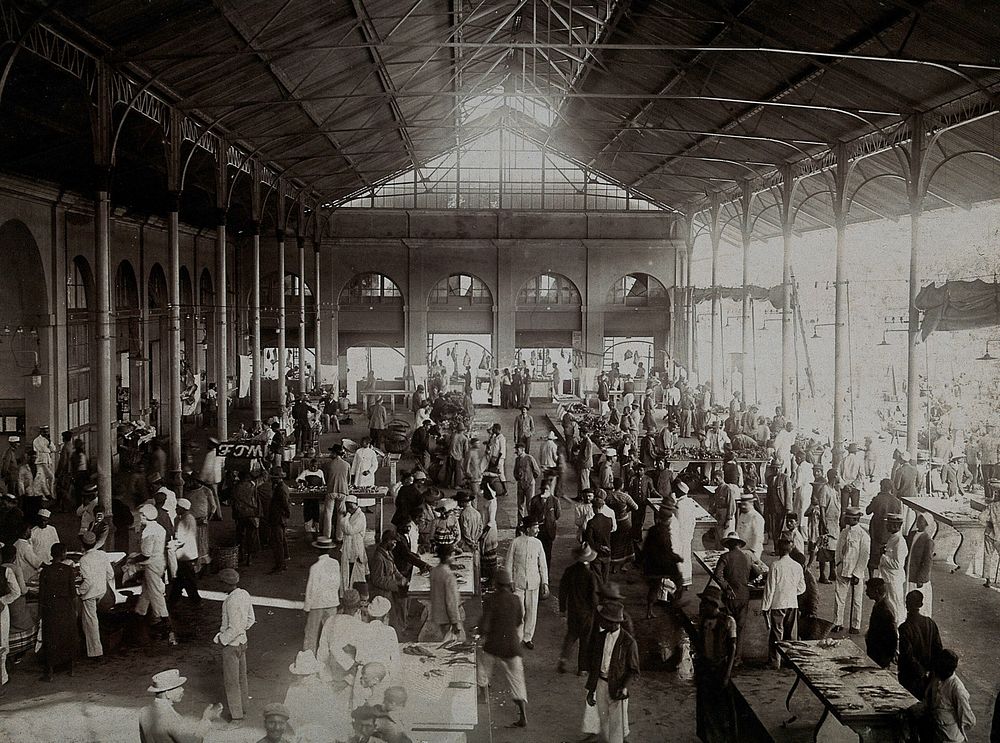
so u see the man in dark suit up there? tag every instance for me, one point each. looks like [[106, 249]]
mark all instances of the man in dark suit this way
[[577, 603], [597, 534]]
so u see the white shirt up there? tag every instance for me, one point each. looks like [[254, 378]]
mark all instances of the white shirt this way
[[365, 460], [97, 574], [526, 563], [610, 638], [853, 549], [44, 449], [785, 581], [379, 643], [311, 473], [152, 544], [783, 441], [211, 468], [548, 454], [42, 541], [186, 534], [673, 396], [170, 503], [26, 559], [750, 527], [323, 586], [237, 618], [12, 595]]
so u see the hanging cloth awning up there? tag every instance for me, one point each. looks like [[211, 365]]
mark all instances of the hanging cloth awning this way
[[775, 295], [958, 305]]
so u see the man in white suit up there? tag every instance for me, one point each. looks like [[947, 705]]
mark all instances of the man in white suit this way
[[530, 574], [851, 561]]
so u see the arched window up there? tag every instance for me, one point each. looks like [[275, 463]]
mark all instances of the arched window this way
[[206, 290], [638, 290], [549, 288], [76, 284], [126, 288], [460, 289], [187, 294], [371, 288], [156, 292], [292, 284]]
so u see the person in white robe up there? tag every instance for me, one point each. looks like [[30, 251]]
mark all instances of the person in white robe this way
[[353, 558], [892, 567], [365, 465], [682, 529], [750, 525]]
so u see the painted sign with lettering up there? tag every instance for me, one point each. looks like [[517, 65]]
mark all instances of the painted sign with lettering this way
[[241, 450]]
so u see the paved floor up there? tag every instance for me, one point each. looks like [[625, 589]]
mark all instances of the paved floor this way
[[99, 702]]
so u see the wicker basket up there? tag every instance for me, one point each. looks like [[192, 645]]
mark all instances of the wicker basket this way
[[225, 557]]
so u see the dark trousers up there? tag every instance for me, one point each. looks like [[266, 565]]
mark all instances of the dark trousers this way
[[375, 434], [185, 580], [547, 542], [739, 610], [279, 545], [602, 567], [576, 635], [781, 625], [715, 713]]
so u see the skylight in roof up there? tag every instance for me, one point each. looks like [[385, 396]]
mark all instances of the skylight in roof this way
[[501, 169], [479, 106]]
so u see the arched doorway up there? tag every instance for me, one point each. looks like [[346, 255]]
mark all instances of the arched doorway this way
[[460, 331], [25, 333], [205, 329], [548, 323], [370, 333], [636, 325], [128, 345], [271, 290]]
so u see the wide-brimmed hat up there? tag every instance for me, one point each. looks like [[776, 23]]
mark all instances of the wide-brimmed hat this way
[[379, 607], [712, 594], [904, 456], [528, 521], [669, 504], [612, 611], [166, 680], [922, 456], [13, 439], [229, 576], [747, 498], [733, 537], [305, 664], [351, 499], [212, 441], [552, 436], [276, 709], [502, 577], [584, 553], [610, 592], [446, 504], [610, 452], [957, 457], [323, 543]]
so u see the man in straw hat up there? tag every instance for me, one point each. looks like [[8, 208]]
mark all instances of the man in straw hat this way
[[577, 603], [526, 473], [850, 563], [892, 566], [159, 722], [880, 507], [503, 617], [322, 592], [734, 572], [310, 700], [97, 577], [612, 664], [530, 574], [715, 639], [237, 618], [750, 525]]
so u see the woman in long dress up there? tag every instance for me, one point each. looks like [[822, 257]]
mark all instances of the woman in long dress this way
[[57, 610]]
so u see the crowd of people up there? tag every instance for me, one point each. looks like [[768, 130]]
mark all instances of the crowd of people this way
[[357, 608]]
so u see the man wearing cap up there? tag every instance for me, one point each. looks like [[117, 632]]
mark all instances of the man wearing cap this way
[[785, 582], [97, 577], [750, 525], [501, 624], [659, 558], [892, 566], [45, 452], [577, 603], [612, 665], [276, 727], [530, 574], [906, 480], [379, 642], [526, 472], [496, 451], [354, 558], [186, 536], [734, 572], [152, 559], [682, 529], [850, 563], [919, 642], [378, 418], [43, 536], [323, 589], [918, 564], [159, 722], [237, 618], [715, 639], [86, 509]]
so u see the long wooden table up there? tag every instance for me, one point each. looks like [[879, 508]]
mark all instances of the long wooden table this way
[[962, 518], [861, 696], [441, 691], [753, 646]]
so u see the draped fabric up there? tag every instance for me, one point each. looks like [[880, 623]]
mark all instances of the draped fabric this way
[[775, 295], [958, 305]]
